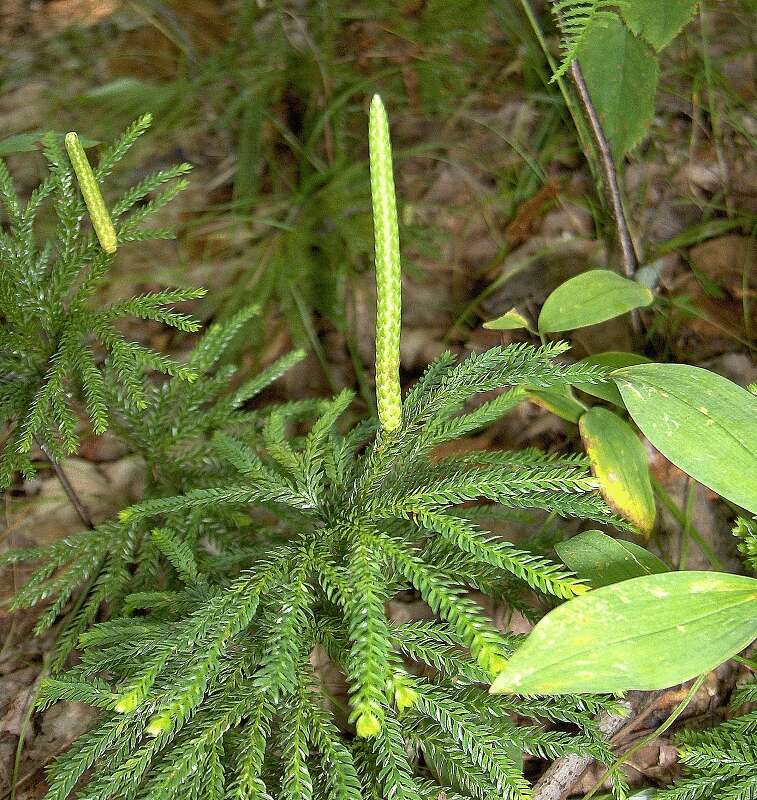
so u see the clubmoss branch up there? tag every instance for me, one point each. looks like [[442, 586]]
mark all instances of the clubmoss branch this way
[[630, 262]]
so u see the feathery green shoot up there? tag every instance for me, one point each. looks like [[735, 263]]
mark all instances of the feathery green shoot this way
[[60, 350]]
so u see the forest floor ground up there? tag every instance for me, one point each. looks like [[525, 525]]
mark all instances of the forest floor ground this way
[[497, 209]]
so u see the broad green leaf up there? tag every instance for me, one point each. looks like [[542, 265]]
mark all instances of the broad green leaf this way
[[646, 633], [603, 560], [559, 403], [509, 321], [20, 143], [589, 298], [658, 21], [29, 142], [619, 462], [621, 75], [705, 424], [610, 360]]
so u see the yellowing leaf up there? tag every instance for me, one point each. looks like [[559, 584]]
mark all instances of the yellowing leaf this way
[[646, 633], [509, 321], [705, 424], [589, 298], [620, 464]]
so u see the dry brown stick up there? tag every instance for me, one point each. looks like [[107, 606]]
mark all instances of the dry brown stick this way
[[79, 506], [630, 261], [564, 772], [561, 776]]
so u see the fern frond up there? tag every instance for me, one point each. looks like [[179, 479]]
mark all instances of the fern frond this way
[[394, 772], [178, 553], [121, 146], [286, 638], [149, 306], [338, 765], [248, 783], [575, 19], [480, 747], [147, 186], [95, 692], [297, 783]]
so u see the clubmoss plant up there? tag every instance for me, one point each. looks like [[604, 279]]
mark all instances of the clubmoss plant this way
[[51, 368], [219, 674], [55, 342], [267, 537]]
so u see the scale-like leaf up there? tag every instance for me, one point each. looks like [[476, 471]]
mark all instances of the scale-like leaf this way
[[603, 560], [702, 422], [646, 633], [589, 298], [619, 461]]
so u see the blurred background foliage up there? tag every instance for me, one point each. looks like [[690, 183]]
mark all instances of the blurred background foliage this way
[[267, 99]]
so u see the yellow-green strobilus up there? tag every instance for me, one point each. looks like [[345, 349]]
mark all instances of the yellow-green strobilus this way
[[98, 211]]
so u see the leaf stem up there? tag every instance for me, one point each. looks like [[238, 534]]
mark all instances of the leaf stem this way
[[630, 261], [578, 120], [682, 520]]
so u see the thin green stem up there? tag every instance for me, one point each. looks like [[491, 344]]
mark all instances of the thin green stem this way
[[584, 136], [679, 709], [680, 518], [717, 135]]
